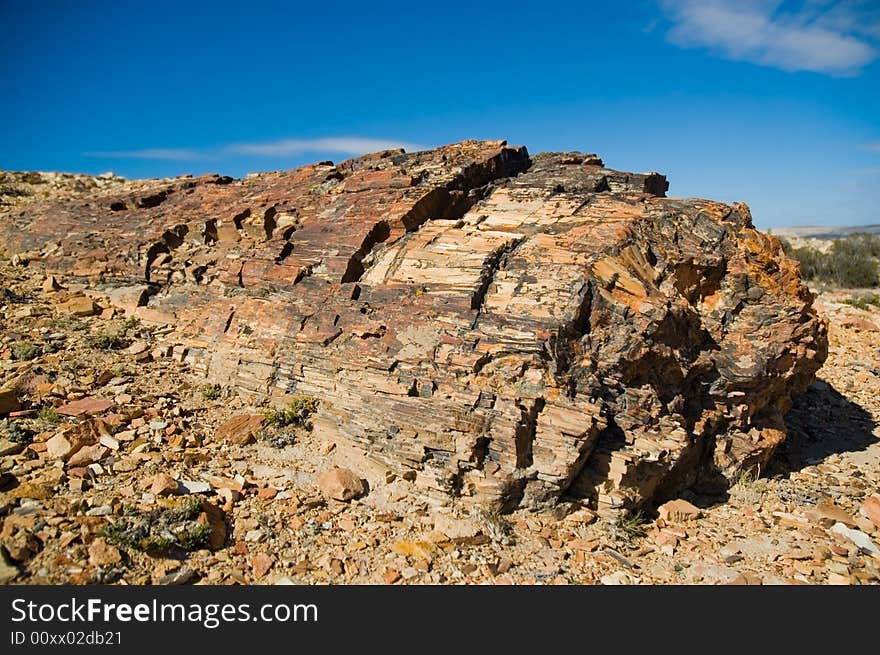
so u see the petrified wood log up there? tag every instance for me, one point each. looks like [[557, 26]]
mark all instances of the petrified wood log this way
[[500, 329]]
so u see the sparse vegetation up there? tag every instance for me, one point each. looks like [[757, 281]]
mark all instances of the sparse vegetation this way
[[629, 527], [115, 337], [495, 526], [297, 413], [49, 414], [747, 487], [108, 341], [864, 301], [14, 432], [160, 530], [211, 391], [852, 262], [25, 351]]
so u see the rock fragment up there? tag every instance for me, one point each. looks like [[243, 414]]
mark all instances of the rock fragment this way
[[341, 484]]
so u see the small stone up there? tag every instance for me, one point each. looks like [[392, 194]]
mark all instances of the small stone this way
[[158, 425], [261, 563], [858, 537], [90, 406], [194, 487], [162, 484], [584, 545], [254, 535], [50, 284], [137, 348], [582, 516], [616, 578], [59, 447], [102, 553], [390, 576], [340, 484], [100, 510], [239, 429], [88, 455], [8, 447], [418, 549], [456, 528], [109, 442], [267, 493], [213, 516], [839, 579], [80, 306], [35, 490], [678, 510], [179, 577], [871, 509], [829, 514]]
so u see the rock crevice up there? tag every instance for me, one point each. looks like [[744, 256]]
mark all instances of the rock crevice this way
[[500, 328]]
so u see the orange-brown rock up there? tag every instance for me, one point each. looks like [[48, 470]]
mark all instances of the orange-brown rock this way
[[496, 327], [239, 429]]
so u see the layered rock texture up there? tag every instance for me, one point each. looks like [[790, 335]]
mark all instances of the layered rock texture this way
[[498, 328]]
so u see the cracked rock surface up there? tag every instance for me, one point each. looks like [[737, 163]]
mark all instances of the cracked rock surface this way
[[498, 328]]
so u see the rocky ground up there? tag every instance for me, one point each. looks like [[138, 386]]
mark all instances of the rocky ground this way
[[116, 468]]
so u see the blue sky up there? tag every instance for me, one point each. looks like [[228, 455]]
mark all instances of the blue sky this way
[[773, 103]]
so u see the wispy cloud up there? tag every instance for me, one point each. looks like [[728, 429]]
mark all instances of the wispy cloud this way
[[824, 36], [872, 147], [345, 145], [170, 154]]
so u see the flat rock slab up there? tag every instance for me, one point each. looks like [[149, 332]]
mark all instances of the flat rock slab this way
[[86, 406]]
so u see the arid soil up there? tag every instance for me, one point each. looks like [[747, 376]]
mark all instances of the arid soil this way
[[112, 470]]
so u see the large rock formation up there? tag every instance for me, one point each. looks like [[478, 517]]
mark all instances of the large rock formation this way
[[499, 328]]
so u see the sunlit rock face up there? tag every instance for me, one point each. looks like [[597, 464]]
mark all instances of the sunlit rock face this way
[[498, 328]]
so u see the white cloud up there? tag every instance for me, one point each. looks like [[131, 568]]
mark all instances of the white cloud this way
[[823, 36], [345, 145], [872, 147], [175, 154]]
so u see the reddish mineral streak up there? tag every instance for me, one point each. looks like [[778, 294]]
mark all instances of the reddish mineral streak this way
[[505, 328]]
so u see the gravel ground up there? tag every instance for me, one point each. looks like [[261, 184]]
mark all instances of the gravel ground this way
[[113, 470]]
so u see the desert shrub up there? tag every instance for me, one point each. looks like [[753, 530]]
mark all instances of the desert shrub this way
[[629, 527], [297, 413], [108, 341], [852, 262], [864, 301], [14, 432], [49, 414], [25, 350], [160, 530], [211, 391]]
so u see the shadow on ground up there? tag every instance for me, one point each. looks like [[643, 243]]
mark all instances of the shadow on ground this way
[[822, 422]]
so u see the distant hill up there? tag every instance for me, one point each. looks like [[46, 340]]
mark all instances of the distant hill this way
[[823, 231]]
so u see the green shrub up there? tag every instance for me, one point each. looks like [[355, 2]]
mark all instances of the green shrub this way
[[160, 530], [14, 432], [49, 414], [628, 527], [852, 262], [296, 413], [864, 301], [25, 351], [108, 341], [211, 391]]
